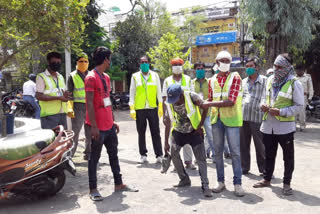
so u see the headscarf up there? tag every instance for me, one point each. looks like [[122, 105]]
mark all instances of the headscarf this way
[[281, 75]]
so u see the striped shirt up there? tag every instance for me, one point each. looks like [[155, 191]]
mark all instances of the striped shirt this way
[[252, 94]]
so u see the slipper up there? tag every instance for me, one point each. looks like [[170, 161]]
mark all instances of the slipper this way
[[127, 188], [261, 184], [95, 196]]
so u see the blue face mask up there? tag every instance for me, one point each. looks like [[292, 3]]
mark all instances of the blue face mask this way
[[250, 71], [145, 67], [200, 73]]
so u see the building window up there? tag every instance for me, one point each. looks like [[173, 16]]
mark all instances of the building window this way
[[205, 50]]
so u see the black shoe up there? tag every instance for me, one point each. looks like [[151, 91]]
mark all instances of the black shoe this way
[[183, 183], [245, 172]]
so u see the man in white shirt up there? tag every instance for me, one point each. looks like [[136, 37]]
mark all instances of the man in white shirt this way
[[306, 82], [29, 93], [146, 105]]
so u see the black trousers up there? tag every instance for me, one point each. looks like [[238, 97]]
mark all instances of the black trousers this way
[[150, 115], [110, 140], [247, 131], [271, 142]]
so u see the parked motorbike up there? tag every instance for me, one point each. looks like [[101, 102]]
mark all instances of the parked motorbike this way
[[33, 163], [120, 101], [313, 109], [13, 102]]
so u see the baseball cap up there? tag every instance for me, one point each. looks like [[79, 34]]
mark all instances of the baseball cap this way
[[173, 93]]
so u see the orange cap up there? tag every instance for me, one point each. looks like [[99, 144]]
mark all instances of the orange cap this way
[[177, 60]]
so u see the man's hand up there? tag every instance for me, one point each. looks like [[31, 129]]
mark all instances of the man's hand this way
[[117, 127], [63, 99], [205, 105], [274, 111], [166, 147], [95, 133], [67, 94], [133, 114], [265, 108]]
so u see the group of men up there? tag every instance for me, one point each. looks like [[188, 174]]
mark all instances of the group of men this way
[[225, 105], [258, 107]]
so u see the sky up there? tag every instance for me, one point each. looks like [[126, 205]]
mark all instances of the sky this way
[[172, 5]]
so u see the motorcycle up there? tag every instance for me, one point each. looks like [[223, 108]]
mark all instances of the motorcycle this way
[[313, 109], [13, 102], [120, 101], [33, 163]]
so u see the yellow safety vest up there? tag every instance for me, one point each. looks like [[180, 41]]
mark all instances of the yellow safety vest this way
[[284, 99], [52, 107], [79, 94], [192, 111], [185, 82], [204, 89], [144, 92], [229, 116]]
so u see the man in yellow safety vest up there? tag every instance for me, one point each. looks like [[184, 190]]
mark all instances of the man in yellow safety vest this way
[[146, 105], [184, 80], [52, 94], [184, 115], [282, 101], [76, 87], [225, 90]]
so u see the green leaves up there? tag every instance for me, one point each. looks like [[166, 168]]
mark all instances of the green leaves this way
[[169, 47]]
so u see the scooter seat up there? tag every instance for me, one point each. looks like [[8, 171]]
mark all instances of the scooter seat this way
[[22, 145]]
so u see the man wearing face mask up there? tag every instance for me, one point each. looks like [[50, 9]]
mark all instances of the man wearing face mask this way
[[52, 94], [76, 87], [180, 78], [253, 87], [225, 90], [282, 100], [146, 105], [200, 85]]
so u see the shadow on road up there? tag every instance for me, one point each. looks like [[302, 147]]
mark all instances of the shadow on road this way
[[304, 198], [112, 203]]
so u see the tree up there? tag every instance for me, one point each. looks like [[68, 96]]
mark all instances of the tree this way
[[282, 24], [93, 35], [134, 38], [169, 47], [47, 23]]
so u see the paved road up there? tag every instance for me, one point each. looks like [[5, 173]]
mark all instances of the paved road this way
[[158, 196]]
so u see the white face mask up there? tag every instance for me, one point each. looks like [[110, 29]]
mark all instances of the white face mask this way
[[223, 67], [177, 69]]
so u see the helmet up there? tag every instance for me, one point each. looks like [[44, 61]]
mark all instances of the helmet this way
[[32, 77]]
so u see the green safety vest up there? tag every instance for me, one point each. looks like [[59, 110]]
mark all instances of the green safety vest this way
[[204, 89], [145, 92], [185, 82], [283, 100], [52, 107], [79, 94], [192, 111], [229, 116]]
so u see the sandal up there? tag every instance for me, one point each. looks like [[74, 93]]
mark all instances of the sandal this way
[[95, 196], [287, 191], [126, 188], [262, 184]]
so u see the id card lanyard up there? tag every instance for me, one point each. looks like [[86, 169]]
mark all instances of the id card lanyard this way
[[103, 81]]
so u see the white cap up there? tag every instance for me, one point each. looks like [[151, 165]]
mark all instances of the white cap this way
[[270, 70], [224, 54]]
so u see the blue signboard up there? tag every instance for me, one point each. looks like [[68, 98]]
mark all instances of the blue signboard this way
[[217, 38]]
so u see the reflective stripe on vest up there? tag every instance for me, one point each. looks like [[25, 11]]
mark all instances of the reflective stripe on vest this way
[[229, 116], [144, 93], [283, 100], [193, 112], [185, 82], [79, 94], [52, 107]]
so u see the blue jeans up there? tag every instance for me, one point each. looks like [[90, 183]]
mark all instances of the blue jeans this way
[[233, 138], [30, 99], [208, 128]]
